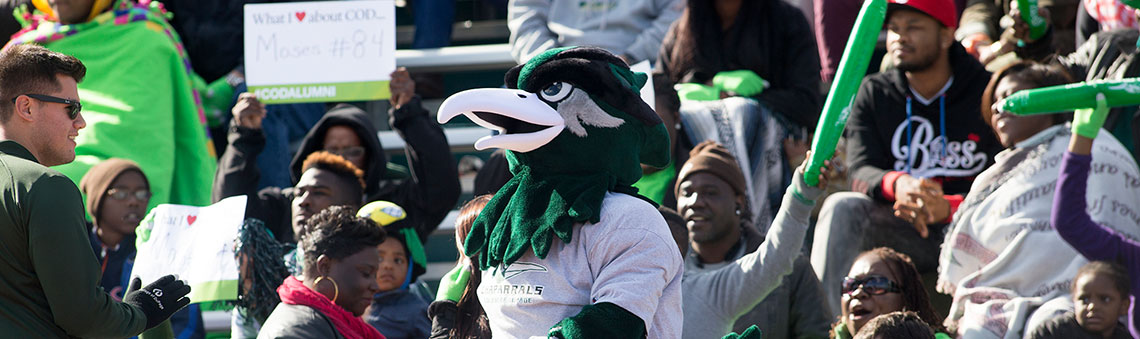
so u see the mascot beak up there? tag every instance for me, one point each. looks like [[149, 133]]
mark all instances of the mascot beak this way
[[524, 121]]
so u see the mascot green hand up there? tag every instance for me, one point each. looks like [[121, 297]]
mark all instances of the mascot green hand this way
[[453, 283], [568, 243]]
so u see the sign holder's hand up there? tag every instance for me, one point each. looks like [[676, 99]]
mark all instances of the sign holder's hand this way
[[743, 82], [158, 300], [248, 112], [401, 87]]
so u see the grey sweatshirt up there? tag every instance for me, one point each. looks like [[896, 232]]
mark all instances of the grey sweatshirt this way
[[714, 298], [630, 28]]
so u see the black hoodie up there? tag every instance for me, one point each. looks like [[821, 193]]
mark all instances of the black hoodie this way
[[877, 129], [427, 196]]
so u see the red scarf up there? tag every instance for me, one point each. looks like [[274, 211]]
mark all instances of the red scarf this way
[[293, 292]]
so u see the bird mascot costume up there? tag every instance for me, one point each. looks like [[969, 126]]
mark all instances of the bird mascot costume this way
[[567, 248]]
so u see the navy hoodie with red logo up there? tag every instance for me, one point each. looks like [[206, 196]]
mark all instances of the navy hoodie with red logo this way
[[880, 131]]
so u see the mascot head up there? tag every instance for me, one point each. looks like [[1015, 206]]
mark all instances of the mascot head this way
[[575, 128]]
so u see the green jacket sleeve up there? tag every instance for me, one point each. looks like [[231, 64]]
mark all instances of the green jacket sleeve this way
[[61, 256]]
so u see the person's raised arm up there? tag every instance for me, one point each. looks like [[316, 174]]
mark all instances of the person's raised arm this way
[[237, 172], [1070, 215], [434, 187], [736, 289]]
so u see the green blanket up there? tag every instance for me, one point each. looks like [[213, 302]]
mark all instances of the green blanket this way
[[138, 99]]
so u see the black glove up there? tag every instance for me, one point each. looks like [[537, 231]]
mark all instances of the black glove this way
[[158, 300]]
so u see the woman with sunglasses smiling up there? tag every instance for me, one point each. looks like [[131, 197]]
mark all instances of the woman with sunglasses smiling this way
[[882, 281]]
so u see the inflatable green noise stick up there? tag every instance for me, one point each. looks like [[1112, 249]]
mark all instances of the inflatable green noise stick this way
[[1064, 98], [1081, 97], [852, 67], [1037, 25]]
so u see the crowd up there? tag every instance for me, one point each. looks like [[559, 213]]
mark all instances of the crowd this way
[[941, 215]]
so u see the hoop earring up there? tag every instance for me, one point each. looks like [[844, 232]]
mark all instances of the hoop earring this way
[[336, 290]]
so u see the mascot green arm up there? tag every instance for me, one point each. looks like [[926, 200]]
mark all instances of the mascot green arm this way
[[601, 320]]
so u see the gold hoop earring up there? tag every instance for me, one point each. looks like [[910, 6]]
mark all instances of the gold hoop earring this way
[[336, 290]]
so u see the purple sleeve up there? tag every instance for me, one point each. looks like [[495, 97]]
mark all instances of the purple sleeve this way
[[1073, 223]]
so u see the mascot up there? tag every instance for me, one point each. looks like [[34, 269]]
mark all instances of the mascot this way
[[567, 247]]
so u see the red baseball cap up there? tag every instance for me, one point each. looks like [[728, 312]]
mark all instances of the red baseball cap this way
[[941, 10]]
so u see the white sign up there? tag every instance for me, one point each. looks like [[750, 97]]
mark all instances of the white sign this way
[[320, 51], [647, 93], [195, 243]]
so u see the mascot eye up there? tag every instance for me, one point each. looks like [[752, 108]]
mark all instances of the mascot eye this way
[[556, 92]]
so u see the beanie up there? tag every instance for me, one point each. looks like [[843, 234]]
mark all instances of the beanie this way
[[711, 157], [98, 179]]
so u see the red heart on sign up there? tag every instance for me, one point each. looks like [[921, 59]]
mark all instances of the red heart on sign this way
[[190, 219], [300, 16]]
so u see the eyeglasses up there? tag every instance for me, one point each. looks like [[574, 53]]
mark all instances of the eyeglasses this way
[[73, 107], [119, 194], [872, 284], [347, 152]]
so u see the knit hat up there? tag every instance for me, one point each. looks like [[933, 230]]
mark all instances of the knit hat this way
[[99, 178], [711, 157], [941, 10]]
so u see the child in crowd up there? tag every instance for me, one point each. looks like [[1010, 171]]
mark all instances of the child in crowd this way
[[117, 194], [396, 311], [896, 325], [1100, 293]]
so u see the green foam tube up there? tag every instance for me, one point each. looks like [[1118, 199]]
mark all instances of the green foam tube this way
[[1037, 25], [1064, 98], [852, 67]]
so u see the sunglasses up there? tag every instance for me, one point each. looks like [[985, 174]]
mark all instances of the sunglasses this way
[[119, 194], [73, 107], [872, 284], [347, 152]]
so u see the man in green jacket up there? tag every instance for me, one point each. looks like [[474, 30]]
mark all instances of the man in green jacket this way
[[49, 278]]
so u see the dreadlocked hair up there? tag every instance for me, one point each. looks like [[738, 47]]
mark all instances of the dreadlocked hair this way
[[265, 253], [334, 163]]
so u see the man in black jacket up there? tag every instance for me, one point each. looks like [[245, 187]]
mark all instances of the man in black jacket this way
[[915, 140], [427, 195]]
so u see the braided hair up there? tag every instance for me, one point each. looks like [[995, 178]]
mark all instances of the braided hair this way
[[260, 249]]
